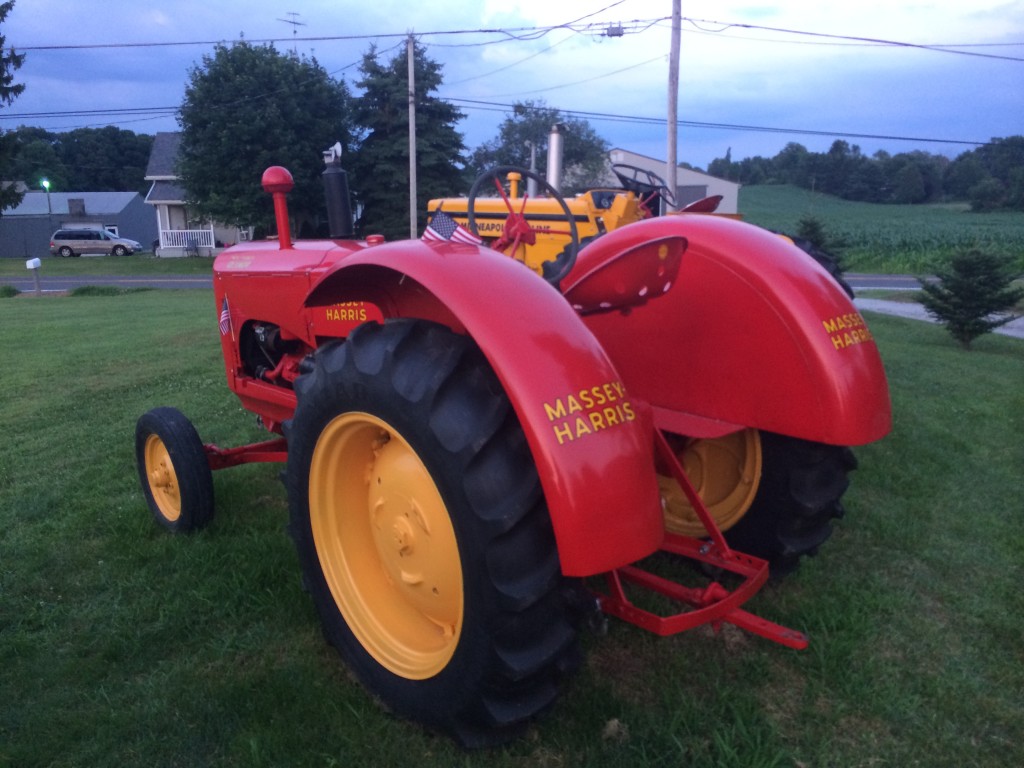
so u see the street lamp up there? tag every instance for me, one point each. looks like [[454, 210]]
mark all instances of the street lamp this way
[[45, 183]]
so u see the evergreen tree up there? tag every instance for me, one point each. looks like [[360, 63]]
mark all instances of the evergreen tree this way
[[10, 62], [380, 170], [247, 108], [971, 295]]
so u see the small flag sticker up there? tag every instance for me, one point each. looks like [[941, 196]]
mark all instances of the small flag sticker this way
[[225, 318]]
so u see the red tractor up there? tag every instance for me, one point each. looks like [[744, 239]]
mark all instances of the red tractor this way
[[478, 457]]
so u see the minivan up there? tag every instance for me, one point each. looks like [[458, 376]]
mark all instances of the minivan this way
[[75, 242]]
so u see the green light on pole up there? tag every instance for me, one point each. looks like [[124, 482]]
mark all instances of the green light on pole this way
[[46, 185]]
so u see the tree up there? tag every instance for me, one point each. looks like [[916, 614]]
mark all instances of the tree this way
[[37, 159], [584, 152], [962, 174], [909, 185], [249, 107], [107, 159], [971, 295], [380, 170], [10, 62], [86, 159]]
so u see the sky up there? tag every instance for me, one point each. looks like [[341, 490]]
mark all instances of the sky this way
[[754, 75]]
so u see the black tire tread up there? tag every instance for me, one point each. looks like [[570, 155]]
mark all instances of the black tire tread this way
[[522, 614], [191, 466], [802, 483]]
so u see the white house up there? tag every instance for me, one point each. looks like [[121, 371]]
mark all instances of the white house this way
[[180, 235]]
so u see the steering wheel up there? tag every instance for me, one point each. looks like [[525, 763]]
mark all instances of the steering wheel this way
[[644, 184], [517, 231]]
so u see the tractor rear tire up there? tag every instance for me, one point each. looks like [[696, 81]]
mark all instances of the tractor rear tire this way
[[422, 532], [802, 484], [174, 470], [775, 499]]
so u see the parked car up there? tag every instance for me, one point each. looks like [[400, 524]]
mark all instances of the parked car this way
[[75, 242]]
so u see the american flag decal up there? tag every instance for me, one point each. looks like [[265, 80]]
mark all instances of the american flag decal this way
[[225, 318]]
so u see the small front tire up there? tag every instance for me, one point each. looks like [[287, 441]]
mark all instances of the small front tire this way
[[173, 470]]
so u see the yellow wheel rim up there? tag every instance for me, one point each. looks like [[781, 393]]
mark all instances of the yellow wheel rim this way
[[725, 471], [386, 545], [163, 481]]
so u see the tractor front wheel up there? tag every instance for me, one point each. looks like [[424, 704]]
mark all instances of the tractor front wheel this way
[[773, 496], [174, 471], [422, 531]]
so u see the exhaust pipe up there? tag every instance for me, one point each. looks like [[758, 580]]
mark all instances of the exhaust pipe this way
[[339, 202], [555, 156]]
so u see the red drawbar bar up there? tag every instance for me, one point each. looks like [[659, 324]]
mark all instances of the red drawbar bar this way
[[270, 451], [713, 604]]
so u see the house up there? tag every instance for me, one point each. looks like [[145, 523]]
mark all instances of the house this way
[[25, 230], [690, 185], [179, 233]]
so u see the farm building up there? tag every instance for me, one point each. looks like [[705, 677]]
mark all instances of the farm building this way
[[25, 230], [690, 185]]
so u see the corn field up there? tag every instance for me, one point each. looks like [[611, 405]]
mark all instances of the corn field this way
[[872, 237]]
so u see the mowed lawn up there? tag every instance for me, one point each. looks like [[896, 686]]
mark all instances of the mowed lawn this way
[[121, 645]]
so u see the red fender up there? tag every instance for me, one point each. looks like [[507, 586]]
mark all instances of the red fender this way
[[591, 439], [754, 333]]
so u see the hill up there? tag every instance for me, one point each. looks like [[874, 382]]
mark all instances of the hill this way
[[887, 238]]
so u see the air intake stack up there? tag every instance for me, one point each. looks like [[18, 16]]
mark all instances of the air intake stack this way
[[339, 202]]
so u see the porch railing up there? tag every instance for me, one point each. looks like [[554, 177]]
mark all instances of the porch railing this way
[[186, 238]]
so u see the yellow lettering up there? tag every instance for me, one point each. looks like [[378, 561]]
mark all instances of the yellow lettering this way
[[586, 399], [556, 412], [563, 432], [588, 411]]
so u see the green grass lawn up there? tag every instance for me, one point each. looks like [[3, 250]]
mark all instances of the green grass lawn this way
[[136, 264], [121, 645]]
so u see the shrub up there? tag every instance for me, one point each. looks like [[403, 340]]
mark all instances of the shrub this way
[[972, 296]]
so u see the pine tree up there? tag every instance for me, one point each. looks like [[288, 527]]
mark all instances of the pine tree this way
[[972, 295], [379, 171], [10, 62]]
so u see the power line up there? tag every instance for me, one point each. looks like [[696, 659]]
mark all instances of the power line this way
[[853, 38], [489, 106], [517, 33]]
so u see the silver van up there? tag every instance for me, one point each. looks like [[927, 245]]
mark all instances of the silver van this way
[[75, 242]]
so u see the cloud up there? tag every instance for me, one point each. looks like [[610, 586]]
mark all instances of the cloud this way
[[730, 73]]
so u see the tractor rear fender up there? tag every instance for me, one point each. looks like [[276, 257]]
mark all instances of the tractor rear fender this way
[[754, 333], [591, 439]]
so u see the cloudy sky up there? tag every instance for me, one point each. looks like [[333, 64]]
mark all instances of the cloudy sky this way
[[754, 75]]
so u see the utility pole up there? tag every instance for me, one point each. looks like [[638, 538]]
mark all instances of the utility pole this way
[[673, 97], [410, 50]]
